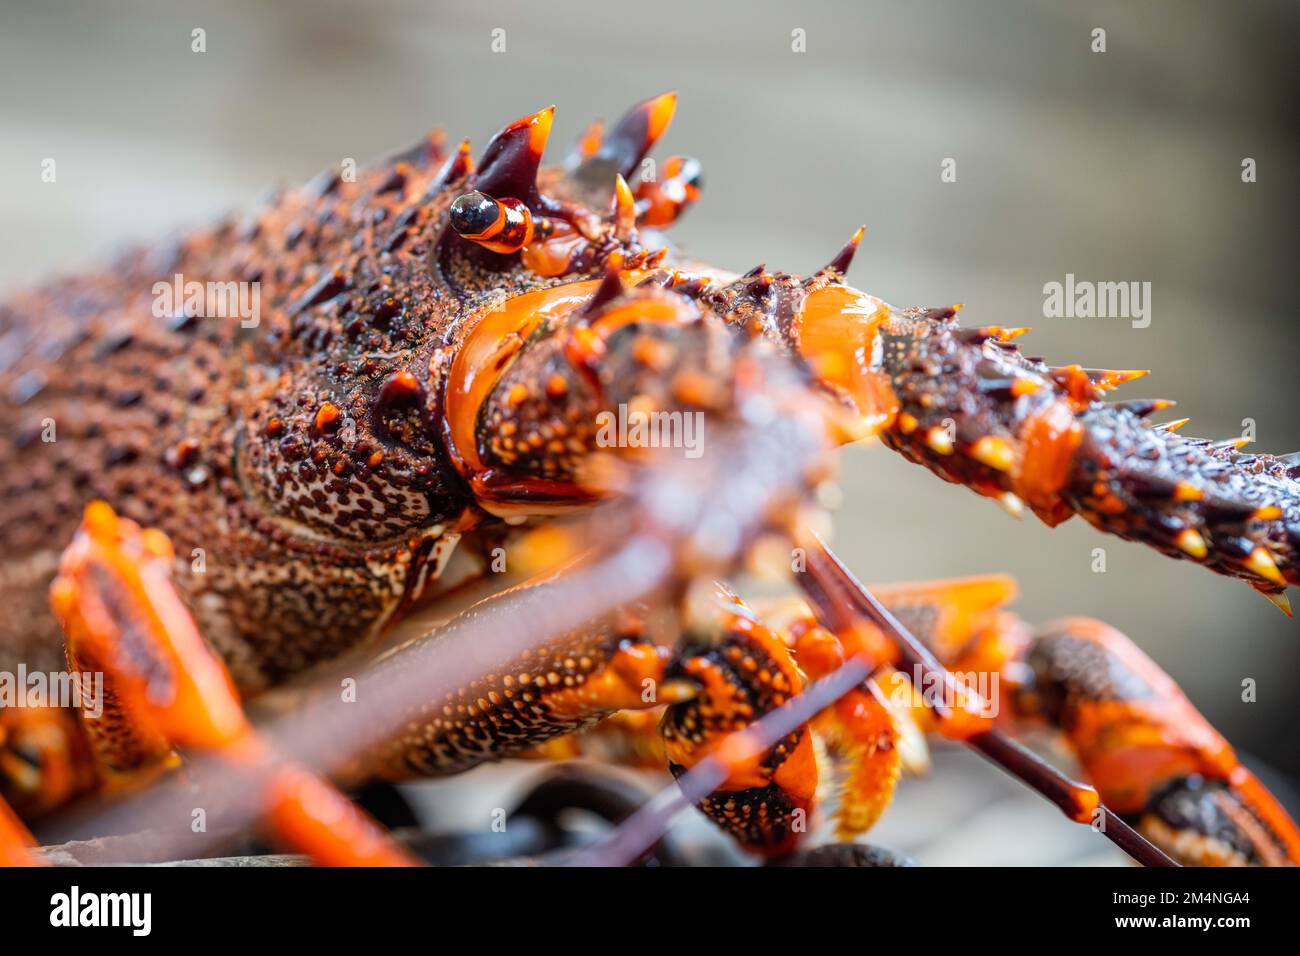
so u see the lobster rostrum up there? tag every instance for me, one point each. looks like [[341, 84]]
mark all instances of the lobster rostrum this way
[[441, 344]]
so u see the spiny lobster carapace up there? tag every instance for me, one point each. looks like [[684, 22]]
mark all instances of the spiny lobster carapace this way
[[437, 343]]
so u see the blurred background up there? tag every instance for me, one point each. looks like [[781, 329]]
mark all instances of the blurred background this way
[[1117, 166]]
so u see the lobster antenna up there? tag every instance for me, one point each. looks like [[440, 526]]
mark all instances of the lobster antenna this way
[[1079, 802], [826, 576]]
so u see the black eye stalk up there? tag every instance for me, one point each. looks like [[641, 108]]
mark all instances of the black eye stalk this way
[[504, 211], [501, 225]]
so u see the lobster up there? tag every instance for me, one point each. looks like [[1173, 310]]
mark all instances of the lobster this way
[[468, 355]]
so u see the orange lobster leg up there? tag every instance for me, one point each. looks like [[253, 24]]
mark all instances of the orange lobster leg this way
[[865, 732], [1149, 752], [163, 687], [45, 760], [532, 705], [746, 668], [867, 729], [16, 844], [1152, 757]]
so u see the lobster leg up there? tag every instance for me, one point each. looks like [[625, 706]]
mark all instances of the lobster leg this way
[[627, 738], [728, 669], [741, 667], [45, 759], [747, 668], [744, 670], [16, 844], [524, 707], [965, 403], [1151, 755], [164, 688], [872, 733]]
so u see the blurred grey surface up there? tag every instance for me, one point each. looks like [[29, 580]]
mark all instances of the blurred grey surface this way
[[1124, 165]]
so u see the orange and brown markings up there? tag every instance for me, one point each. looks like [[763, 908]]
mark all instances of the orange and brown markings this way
[[834, 331], [558, 688], [861, 729], [504, 225], [515, 407], [296, 456], [975, 411], [744, 671], [1203, 822], [1149, 752], [527, 389], [971, 409], [1236, 513], [121, 614], [541, 422], [221, 434], [662, 201]]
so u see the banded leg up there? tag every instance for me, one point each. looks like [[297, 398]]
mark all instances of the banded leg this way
[[1154, 759], [965, 403], [165, 692], [746, 669], [595, 692], [532, 705], [1150, 753]]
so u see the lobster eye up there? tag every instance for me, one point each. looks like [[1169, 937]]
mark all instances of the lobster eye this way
[[473, 214]]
